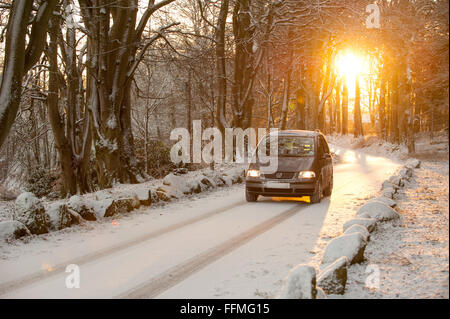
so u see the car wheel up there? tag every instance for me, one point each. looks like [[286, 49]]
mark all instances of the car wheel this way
[[327, 191], [249, 197], [317, 196]]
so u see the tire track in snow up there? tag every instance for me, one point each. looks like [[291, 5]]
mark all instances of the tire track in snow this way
[[57, 269], [180, 272]]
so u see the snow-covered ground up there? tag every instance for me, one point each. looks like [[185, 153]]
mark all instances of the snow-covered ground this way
[[215, 245], [411, 253]]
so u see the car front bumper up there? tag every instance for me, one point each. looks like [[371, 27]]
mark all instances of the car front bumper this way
[[296, 189]]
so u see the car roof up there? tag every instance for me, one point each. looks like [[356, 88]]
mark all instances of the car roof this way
[[303, 133]]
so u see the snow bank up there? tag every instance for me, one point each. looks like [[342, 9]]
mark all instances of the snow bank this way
[[301, 283], [121, 199]]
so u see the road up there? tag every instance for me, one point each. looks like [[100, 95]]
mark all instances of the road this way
[[214, 245]]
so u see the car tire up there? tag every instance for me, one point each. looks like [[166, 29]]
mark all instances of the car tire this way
[[327, 191], [317, 196], [251, 198]]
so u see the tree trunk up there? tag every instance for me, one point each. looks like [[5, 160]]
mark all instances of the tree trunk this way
[[18, 58], [345, 108], [357, 120]]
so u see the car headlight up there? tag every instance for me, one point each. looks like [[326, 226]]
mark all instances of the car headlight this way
[[306, 174], [253, 173]]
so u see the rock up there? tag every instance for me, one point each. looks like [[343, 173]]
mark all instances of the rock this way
[[12, 229], [377, 210], [321, 294], [237, 179], [334, 278], [350, 245], [368, 223], [388, 201], [406, 173], [395, 180], [388, 192], [61, 217], [412, 163], [180, 171], [153, 195], [207, 182], [78, 205], [301, 283], [30, 212], [358, 229], [388, 185], [162, 196], [123, 205], [144, 196]]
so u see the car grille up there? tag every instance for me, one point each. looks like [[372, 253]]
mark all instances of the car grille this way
[[280, 175]]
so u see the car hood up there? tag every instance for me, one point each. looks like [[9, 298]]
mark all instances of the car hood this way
[[290, 164]]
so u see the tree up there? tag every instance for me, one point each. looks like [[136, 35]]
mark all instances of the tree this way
[[21, 56], [115, 51]]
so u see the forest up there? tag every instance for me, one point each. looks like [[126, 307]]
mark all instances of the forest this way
[[91, 89]]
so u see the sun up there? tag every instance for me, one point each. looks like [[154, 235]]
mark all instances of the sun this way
[[349, 65]]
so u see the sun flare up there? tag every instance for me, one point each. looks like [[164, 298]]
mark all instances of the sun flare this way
[[349, 65]]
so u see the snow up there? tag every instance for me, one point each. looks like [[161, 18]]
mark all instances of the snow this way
[[412, 253], [370, 145], [147, 242]]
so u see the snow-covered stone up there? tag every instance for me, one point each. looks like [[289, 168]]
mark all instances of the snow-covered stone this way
[[123, 205], [358, 229], [180, 171], [395, 180], [61, 217], [388, 192], [388, 201], [377, 210], [78, 205], [412, 163], [334, 277], [406, 173], [350, 245], [301, 283], [368, 223], [388, 184], [161, 194], [12, 229], [144, 195], [30, 212]]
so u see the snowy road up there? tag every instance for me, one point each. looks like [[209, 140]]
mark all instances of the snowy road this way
[[212, 246]]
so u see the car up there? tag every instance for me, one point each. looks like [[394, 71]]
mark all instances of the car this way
[[305, 167]]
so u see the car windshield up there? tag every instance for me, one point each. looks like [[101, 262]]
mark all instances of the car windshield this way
[[297, 146]]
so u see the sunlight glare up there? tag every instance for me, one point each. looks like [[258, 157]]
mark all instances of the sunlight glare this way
[[349, 65]]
